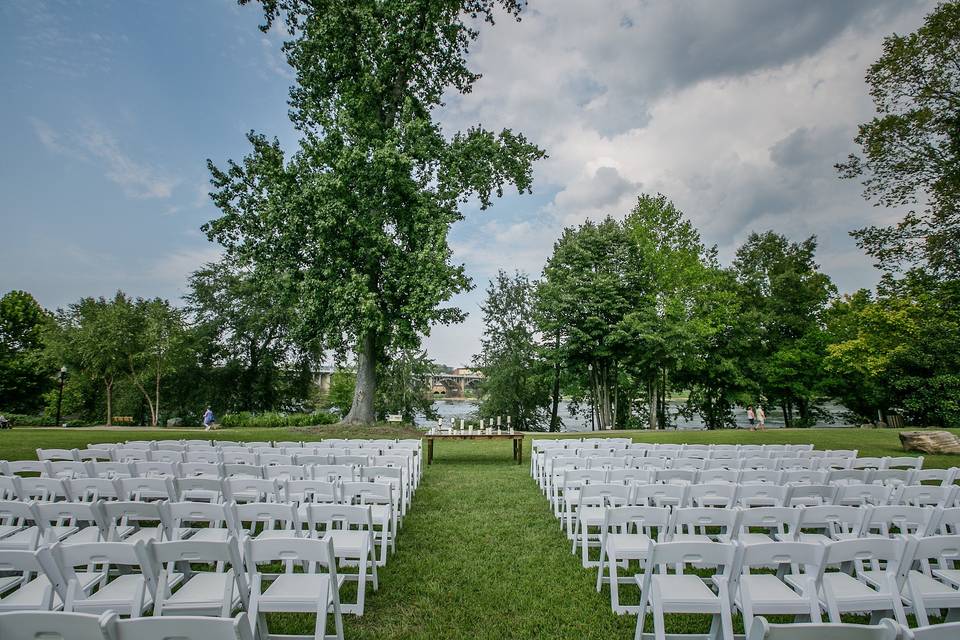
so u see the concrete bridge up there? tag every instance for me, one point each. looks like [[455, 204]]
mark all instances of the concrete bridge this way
[[454, 383]]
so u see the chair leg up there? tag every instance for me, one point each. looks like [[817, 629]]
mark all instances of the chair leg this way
[[614, 584]]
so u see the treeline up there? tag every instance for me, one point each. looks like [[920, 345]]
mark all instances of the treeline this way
[[628, 313], [151, 361], [232, 346]]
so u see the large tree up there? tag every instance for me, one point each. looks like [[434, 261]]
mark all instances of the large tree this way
[[23, 376], [784, 296], [355, 223], [910, 152]]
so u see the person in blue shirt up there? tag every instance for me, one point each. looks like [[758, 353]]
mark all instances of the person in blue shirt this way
[[207, 419]]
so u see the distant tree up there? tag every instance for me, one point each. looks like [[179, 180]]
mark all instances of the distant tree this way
[[514, 382], [156, 335], [911, 149], [402, 389], [355, 224], [93, 339], [24, 375], [784, 295], [251, 326]]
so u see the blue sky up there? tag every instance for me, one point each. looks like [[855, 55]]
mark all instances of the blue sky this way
[[736, 109]]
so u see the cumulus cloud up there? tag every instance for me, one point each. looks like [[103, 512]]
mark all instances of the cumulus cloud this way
[[735, 109]]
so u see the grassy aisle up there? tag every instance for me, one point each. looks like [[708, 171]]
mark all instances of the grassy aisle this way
[[480, 556]]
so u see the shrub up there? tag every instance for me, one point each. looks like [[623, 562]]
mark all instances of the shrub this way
[[269, 420]]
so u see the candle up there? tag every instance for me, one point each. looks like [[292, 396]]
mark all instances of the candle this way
[[498, 421]]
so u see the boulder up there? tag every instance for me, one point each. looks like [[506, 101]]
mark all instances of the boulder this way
[[930, 441]]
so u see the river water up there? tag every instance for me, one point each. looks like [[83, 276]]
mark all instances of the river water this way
[[467, 410]]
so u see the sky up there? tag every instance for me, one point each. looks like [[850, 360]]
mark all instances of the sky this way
[[736, 110]]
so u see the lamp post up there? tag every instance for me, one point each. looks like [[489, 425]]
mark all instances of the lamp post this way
[[61, 377], [592, 403]]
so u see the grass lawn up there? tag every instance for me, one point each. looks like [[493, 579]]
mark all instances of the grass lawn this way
[[480, 555]]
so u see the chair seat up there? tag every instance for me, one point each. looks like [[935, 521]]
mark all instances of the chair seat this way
[[207, 534], [272, 534], [26, 538], [84, 535], [381, 512], [931, 590], [9, 582], [296, 592], [848, 588], [748, 539], [349, 544], [204, 590], [628, 546], [8, 529], [690, 537], [678, 593], [768, 590], [30, 595], [950, 576]]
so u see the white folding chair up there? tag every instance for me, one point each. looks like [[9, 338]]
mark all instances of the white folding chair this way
[[703, 524], [124, 582], [199, 489], [383, 508], [180, 628], [775, 523], [93, 489], [767, 593], [242, 489], [18, 530], [626, 536], [316, 590], [265, 520], [70, 522], [136, 521], [146, 489], [712, 494], [350, 528], [217, 592], [851, 588], [594, 500], [24, 586], [46, 625], [762, 630], [935, 583], [827, 522], [212, 518], [683, 592], [660, 495]]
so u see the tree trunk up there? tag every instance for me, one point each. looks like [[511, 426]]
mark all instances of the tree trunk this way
[[652, 404], [555, 408], [109, 385], [364, 393]]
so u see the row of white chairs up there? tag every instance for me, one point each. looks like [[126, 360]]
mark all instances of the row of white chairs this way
[[886, 629], [84, 626], [880, 576], [905, 470], [190, 577]]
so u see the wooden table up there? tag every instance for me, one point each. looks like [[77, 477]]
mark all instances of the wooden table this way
[[516, 437]]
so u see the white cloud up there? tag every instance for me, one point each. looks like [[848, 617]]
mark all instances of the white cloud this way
[[736, 110], [95, 144]]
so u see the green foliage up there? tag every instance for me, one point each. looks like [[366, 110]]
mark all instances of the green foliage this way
[[274, 420], [402, 385], [353, 227], [24, 375], [911, 149], [784, 296], [515, 380]]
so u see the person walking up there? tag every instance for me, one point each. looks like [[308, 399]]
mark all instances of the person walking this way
[[761, 418], [751, 417], [208, 419]]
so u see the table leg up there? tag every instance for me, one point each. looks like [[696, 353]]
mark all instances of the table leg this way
[[514, 448], [430, 451], [519, 450]]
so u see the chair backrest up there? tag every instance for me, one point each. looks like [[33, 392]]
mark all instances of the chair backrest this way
[[202, 489], [863, 494], [942, 631], [696, 520], [629, 476], [140, 489], [112, 469], [238, 456], [57, 454], [764, 555], [67, 469], [272, 459], [905, 519], [674, 476], [156, 468], [43, 489], [713, 494], [804, 476], [762, 495], [210, 456], [286, 472], [330, 472], [25, 565], [272, 516], [180, 628], [777, 520], [604, 494], [887, 550], [367, 493], [22, 467], [324, 517], [53, 625], [945, 522], [659, 495], [134, 514], [923, 495], [93, 489], [128, 454], [171, 445], [193, 469], [904, 462], [310, 491], [652, 521], [102, 556], [763, 630], [682, 554], [182, 514], [73, 514], [241, 469], [251, 490], [811, 494], [835, 519], [753, 476], [167, 455], [92, 454]]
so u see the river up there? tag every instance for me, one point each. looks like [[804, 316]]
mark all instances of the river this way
[[467, 410]]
